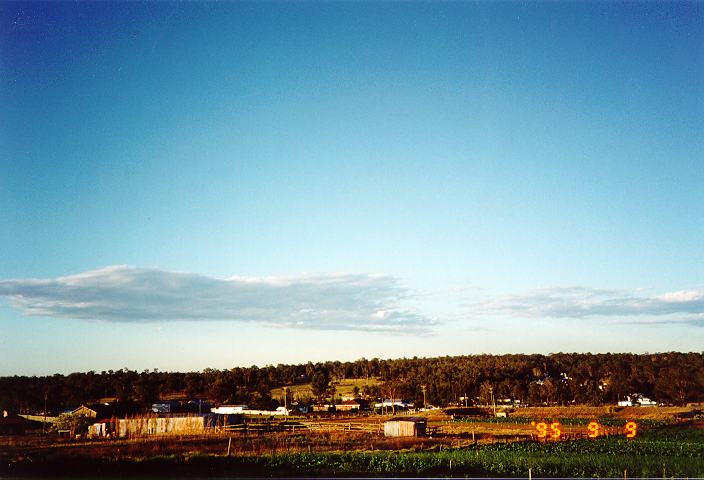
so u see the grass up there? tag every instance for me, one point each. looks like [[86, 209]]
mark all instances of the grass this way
[[669, 451], [603, 458], [342, 387], [582, 458]]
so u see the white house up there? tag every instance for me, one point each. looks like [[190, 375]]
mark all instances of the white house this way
[[637, 399], [393, 402], [245, 410]]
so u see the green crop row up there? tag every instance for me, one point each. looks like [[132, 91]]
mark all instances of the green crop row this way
[[601, 458]]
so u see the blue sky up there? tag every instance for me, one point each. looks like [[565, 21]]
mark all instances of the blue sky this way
[[192, 185]]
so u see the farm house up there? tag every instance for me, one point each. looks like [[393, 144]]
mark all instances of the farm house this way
[[245, 410], [349, 406], [405, 427]]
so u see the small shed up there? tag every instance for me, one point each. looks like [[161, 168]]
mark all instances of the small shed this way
[[405, 427]]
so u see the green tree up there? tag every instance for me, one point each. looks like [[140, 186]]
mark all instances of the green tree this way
[[146, 389], [320, 383], [76, 424], [486, 390]]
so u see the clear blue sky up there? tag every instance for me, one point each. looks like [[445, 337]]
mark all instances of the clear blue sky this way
[[198, 185]]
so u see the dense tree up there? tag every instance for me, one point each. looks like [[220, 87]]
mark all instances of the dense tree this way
[[561, 378], [320, 383]]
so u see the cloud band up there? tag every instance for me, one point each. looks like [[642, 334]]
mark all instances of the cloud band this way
[[581, 302], [364, 302]]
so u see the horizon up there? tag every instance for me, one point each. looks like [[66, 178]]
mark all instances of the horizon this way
[[195, 185]]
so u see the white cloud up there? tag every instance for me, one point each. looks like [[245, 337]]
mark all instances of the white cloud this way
[[580, 302], [128, 294]]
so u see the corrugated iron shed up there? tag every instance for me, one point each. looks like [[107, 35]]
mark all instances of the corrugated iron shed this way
[[405, 427]]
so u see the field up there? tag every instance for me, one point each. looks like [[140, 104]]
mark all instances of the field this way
[[670, 445], [342, 388]]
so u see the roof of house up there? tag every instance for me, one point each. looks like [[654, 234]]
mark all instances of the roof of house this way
[[14, 420], [408, 419], [103, 410], [18, 420], [92, 408]]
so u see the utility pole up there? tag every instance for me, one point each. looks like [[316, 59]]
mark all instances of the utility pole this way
[[424, 388], [493, 402], [44, 422], [286, 398]]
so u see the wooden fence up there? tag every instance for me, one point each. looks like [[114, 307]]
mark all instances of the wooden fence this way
[[251, 427]]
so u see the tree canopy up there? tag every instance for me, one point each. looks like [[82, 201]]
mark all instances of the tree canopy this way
[[560, 378]]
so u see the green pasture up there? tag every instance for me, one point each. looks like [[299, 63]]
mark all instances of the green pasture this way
[[342, 387]]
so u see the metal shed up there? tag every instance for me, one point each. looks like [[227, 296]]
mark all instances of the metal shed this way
[[405, 427]]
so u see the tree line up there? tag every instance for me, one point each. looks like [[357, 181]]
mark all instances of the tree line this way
[[555, 379]]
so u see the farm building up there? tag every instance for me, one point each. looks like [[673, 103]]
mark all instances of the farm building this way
[[395, 402], [637, 399], [229, 409], [15, 425], [103, 428], [352, 405], [86, 411], [323, 407], [104, 410], [197, 406], [166, 406], [245, 410], [301, 408], [165, 425], [348, 406], [405, 427]]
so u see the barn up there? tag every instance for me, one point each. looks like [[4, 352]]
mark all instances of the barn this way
[[165, 425], [405, 427]]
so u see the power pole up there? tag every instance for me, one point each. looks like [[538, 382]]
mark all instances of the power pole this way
[[493, 402], [44, 422], [424, 388]]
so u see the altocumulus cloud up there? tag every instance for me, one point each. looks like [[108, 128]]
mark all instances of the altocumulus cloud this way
[[579, 302], [365, 302]]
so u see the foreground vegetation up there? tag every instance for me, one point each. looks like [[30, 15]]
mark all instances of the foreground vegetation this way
[[603, 458], [661, 452], [565, 459]]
